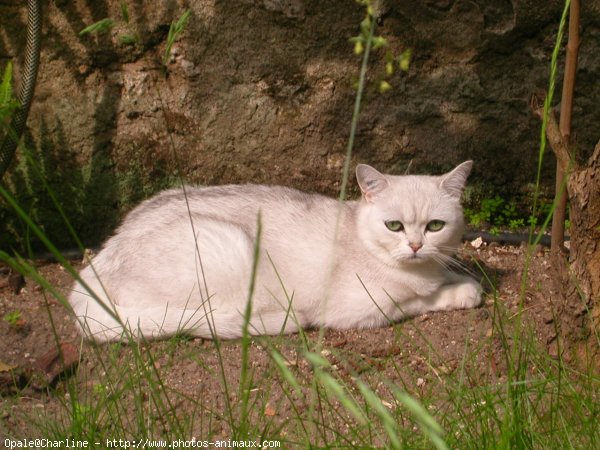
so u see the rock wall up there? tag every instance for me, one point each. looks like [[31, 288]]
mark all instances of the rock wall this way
[[262, 91]]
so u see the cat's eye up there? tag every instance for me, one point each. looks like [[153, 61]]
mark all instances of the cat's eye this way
[[435, 225], [394, 225]]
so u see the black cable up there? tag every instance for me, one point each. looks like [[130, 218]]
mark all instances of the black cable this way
[[25, 96]]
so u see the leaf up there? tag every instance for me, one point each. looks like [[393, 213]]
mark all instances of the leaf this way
[[102, 26], [182, 22], [7, 102], [404, 62], [175, 30], [384, 86], [13, 318], [6, 86], [6, 367], [358, 48], [379, 41], [389, 68], [128, 39], [365, 26]]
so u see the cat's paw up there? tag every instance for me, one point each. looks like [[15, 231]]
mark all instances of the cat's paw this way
[[462, 294], [467, 294]]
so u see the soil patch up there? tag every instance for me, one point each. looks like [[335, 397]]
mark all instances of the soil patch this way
[[417, 354]]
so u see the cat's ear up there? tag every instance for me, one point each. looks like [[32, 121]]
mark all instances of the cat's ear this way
[[454, 182], [371, 182]]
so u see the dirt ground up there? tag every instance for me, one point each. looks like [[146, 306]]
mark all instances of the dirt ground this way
[[416, 353]]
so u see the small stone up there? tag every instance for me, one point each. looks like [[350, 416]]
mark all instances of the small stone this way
[[476, 243], [270, 411], [57, 362]]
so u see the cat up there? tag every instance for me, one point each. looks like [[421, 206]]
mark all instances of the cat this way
[[184, 260]]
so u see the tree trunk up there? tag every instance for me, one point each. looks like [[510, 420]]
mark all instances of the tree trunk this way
[[582, 275]]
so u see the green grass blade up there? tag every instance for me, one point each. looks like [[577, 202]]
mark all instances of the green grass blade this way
[[388, 422], [102, 26], [431, 429], [280, 362], [175, 30], [317, 361], [245, 379], [7, 102], [6, 85], [338, 391]]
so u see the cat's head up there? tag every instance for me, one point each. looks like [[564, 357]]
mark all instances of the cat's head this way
[[412, 218]]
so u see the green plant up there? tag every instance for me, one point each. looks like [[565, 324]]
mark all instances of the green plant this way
[[493, 211], [367, 38], [13, 318], [8, 103], [102, 26], [488, 209], [130, 37], [497, 214], [177, 27]]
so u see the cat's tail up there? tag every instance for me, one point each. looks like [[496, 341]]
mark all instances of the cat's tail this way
[[101, 320]]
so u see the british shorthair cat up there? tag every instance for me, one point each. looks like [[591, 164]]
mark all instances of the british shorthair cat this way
[[184, 260]]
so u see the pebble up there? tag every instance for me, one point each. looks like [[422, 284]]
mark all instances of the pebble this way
[[476, 243]]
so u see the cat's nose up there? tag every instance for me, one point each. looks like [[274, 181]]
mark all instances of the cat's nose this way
[[415, 247]]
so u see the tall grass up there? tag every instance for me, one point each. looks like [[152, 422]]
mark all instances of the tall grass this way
[[303, 391]]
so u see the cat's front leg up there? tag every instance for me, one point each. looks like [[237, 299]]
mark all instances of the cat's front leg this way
[[462, 293]]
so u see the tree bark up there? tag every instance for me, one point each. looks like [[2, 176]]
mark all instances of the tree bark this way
[[583, 272]]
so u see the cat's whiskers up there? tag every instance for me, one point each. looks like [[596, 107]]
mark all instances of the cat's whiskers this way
[[451, 263]]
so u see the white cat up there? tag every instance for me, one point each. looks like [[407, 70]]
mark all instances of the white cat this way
[[183, 260]]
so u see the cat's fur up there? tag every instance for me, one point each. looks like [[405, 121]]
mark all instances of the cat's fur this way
[[184, 262]]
